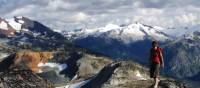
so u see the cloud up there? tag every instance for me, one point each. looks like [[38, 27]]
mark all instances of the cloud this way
[[55, 5], [80, 16], [73, 14], [23, 10]]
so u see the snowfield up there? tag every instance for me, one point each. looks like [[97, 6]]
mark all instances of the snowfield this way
[[17, 26]]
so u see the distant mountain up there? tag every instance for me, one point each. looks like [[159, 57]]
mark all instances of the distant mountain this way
[[131, 41], [183, 57], [23, 32], [126, 34]]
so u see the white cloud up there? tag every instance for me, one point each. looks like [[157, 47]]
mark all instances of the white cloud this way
[[189, 18], [80, 16], [57, 4], [23, 10], [71, 14]]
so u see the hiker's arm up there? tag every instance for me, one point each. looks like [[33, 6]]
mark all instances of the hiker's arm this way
[[162, 60], [150, 59]]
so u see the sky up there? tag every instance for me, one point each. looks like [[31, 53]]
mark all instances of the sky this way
[[76, 14]]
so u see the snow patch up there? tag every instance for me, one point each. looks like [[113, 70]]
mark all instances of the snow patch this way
[[76, 85], [60, 67], [139, 76], [59, 31], [3, 25], [19, 17], [3, 55], [17, 26], [21, 21], [75, 77]]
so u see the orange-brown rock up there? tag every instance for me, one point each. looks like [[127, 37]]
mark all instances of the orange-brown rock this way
[[27, 60], [30, 60]]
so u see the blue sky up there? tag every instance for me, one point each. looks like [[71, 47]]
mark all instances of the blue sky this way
[[73, 14]]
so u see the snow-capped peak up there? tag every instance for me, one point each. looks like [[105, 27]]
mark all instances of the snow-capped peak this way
[[132, 32], [16, 22], [19, 25]]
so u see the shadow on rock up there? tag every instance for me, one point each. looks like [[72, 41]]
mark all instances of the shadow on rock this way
[[72, 66], [171, 84], [103, 76], [6, 63]]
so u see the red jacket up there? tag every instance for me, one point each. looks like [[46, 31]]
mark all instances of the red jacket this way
[[155, 55]]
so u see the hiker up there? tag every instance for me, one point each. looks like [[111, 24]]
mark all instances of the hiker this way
[[156, 61]]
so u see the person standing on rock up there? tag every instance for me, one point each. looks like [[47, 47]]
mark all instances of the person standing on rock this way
[[156, 61]]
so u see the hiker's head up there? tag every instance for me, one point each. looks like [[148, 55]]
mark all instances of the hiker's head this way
[[154, 43]]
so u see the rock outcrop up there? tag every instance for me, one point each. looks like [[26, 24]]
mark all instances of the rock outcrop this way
[[18, 70], [22, 79], [102, 76]]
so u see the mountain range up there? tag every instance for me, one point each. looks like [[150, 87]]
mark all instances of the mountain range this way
[[104, 57]]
